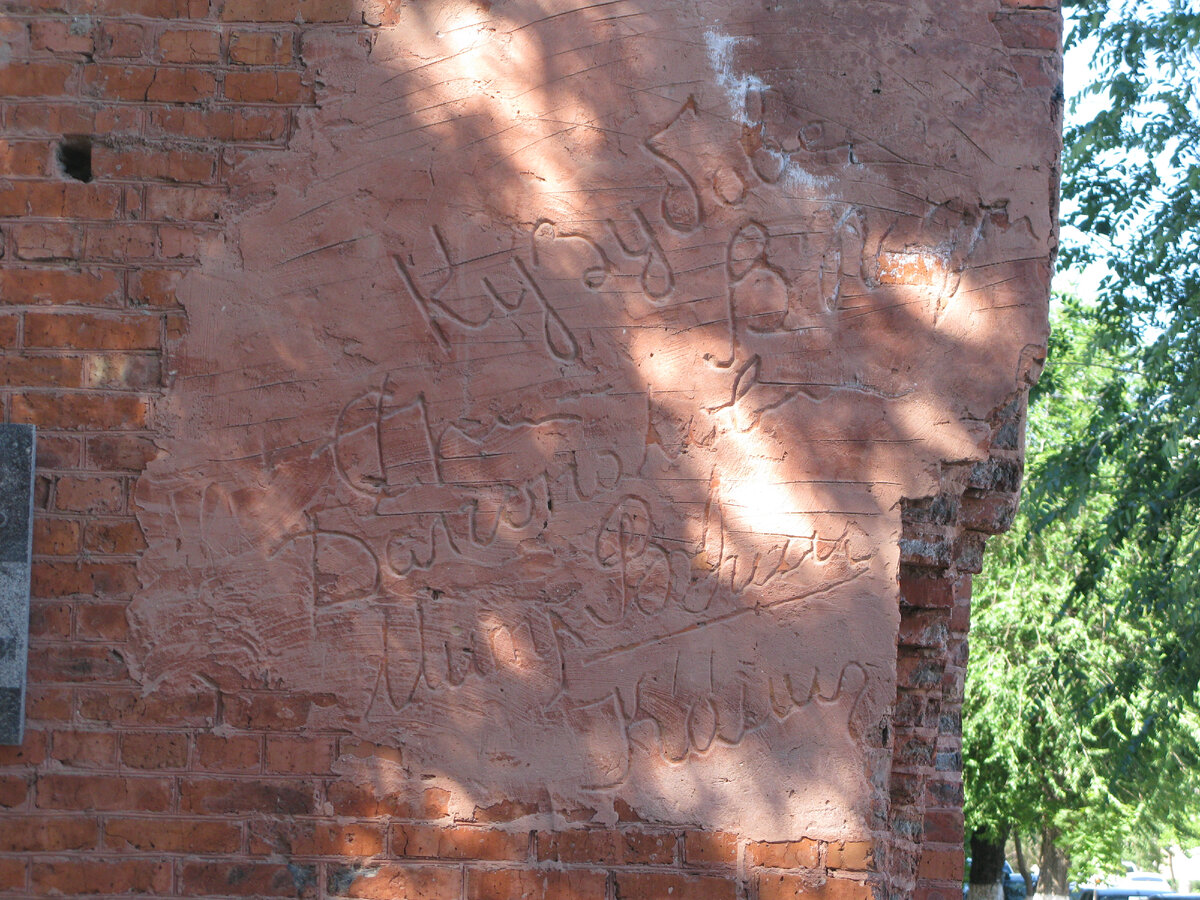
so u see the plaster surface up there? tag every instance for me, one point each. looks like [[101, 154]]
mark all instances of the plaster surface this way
[[546, 407]]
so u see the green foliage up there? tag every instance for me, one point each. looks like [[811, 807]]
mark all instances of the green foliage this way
[[1068, 729]]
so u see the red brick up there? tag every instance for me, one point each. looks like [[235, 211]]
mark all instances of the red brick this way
[[123, 371], [710, 848], [389, 882], [188, 204], [151, 84], [458, 842], [47, 703], [13, 790], [260, 48], [275, 712], [123, 537], [69, 200], [185, 166], [50, 620], [178, 243], [231, 795], [55, 451], [102, 877], [606, 847], [48, 242], [101, 494], [55, 537], [123, 452], [329, 10], [121, 40], [62, 579], [257, 125], [103, 792], [30, 752], [534, 884], [131, 707], [189, 45], [791, 887], [1029, 30], [84, 749], [8, 331], [801, 854], [35, 79], [293, 838], [47, 834], [655, 885], [79, 411], [241, 879], [162, 750], [32, 158], [944, 826], [260, 10], [41, 371], [370, 801], [13, 875], [354, 748], [191, 836], [299, 756], [267, 87], [102, 622], [90, 331], [95, 287], [941, 865], [856, 855], [930, 592], [57, 663], [62, 37], [59, 118], [241, 753], [120, 242]]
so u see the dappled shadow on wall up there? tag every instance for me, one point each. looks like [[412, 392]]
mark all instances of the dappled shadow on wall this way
[[545, 410]]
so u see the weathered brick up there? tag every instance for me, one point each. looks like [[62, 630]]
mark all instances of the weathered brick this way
[[132, 707], [157, 750], [801, 854], [710, 848], [260, 48], [293, 838], [849, 855], [606, 847], [247, 879], [370, 801], [535, 884], [267, 87], [94, 876], [62, 579], [35, 79], [387, 882], [91, 287], [103, 792], [231, 795], [54, 663], [47, 834], [238, 753], [458, 842], [98, 621], [299, 756], [189, 45], [191, 836], [103, 494], [41, 371], [84, 749], [654, 885], [56, 36], [108, 537], [792, 887]]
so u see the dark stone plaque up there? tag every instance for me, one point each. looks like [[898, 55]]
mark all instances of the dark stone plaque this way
[[17, 444]]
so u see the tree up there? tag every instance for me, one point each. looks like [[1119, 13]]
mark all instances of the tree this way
[[1080, 719]]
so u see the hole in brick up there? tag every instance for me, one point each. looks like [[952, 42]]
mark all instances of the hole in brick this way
[[75, 157]]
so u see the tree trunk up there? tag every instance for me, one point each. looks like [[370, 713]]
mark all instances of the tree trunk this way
[[1053, 877], [1021, 866], [987, 866]]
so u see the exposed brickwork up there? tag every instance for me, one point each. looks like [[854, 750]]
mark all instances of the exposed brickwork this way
[[117, 791]]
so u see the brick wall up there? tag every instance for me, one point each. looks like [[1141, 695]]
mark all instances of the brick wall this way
[[152, 103]]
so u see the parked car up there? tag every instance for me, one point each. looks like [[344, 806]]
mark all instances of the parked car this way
[[1014, 884]]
